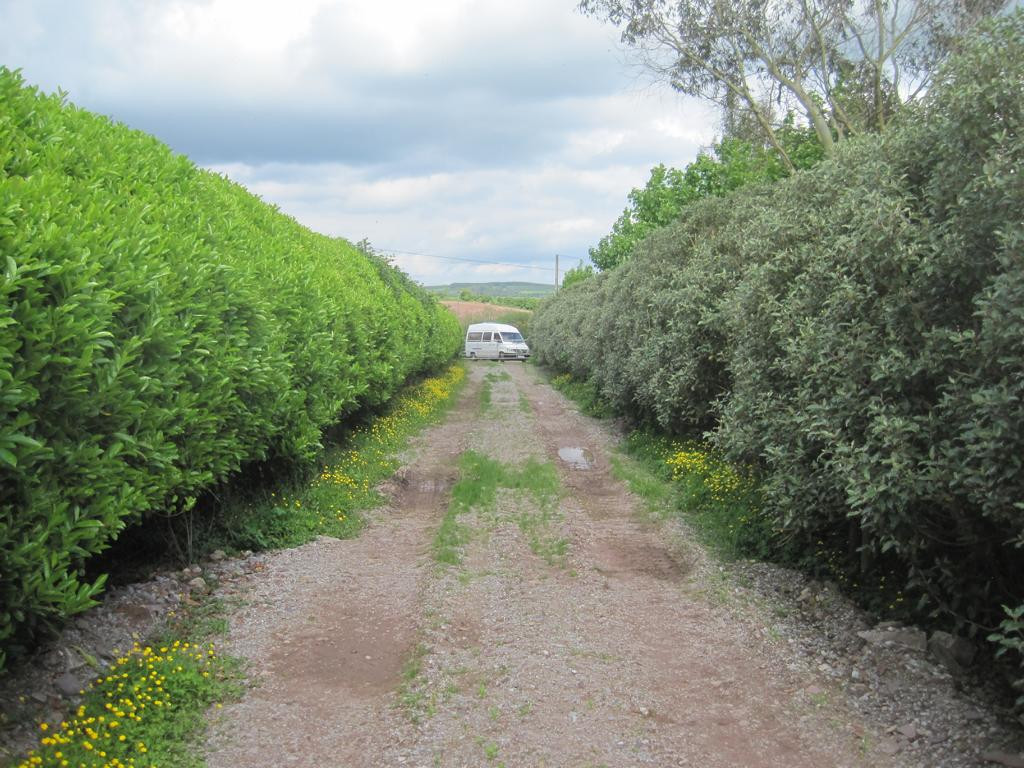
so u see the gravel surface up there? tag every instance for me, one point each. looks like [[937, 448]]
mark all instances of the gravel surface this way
[[370, 654], [932, 714]]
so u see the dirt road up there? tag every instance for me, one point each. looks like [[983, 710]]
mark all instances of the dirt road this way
[[574, 632]]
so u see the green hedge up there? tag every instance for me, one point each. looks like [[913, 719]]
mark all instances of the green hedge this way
[[159, 327], [854, 331]]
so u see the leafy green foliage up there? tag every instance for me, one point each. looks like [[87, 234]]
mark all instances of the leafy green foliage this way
[[1010, 640], [577, 274], [733, 163], [584, 393], [159, 327], [854, 332]]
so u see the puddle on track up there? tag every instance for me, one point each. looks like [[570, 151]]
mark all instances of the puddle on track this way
[[576, 458]]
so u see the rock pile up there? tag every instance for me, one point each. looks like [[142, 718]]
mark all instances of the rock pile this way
[[935, 706], [48, 684]]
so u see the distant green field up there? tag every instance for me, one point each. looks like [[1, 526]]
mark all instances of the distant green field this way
[[504, 290]]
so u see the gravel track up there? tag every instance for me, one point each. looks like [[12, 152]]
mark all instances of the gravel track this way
[[632, 648]]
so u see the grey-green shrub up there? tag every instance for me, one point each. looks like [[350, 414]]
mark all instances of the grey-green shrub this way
[[877, 368], [159, 327], [854, 332]]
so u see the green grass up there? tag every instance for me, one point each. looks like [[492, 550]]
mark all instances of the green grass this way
[[485, 388], [719, 500], [524, 404], [451, 537], [204, 621], [420, 697], [416, 702], [654, 490], [536, 526], [149, 707], [584, 394], [479, 480]]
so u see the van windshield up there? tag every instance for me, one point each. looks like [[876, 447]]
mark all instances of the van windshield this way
[[506, 336]]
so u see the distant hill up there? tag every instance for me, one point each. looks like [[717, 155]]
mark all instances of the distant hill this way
[[505, 290]]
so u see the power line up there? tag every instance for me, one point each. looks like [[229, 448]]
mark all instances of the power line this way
[[462, 258]]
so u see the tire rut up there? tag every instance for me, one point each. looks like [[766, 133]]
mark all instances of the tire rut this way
[[330, 625]]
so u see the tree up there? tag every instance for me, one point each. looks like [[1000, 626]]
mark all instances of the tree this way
[[731, 164], [811, 55], [577, 274]]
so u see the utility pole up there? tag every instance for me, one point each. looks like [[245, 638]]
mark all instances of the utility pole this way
[[556, 273]]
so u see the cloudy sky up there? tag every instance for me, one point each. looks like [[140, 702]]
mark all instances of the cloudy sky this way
[[486, 130]]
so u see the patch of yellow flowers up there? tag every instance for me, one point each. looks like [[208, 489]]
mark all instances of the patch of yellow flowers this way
[[349, 476], [561, 380], [140, 686], [353, 473], [348, 481], [721, 479]]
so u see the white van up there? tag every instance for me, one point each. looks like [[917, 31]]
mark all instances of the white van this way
[[495, 341]]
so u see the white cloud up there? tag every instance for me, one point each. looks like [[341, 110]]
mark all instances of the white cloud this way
[[480, 129], [504, 215]]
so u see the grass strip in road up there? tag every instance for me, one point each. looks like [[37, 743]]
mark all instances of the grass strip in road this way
[[524, 404], [536, 526], [480, 478], [485, 388]]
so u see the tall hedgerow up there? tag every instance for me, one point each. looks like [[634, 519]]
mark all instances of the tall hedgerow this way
[[159, 327], [875, 373], [854, 332]]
